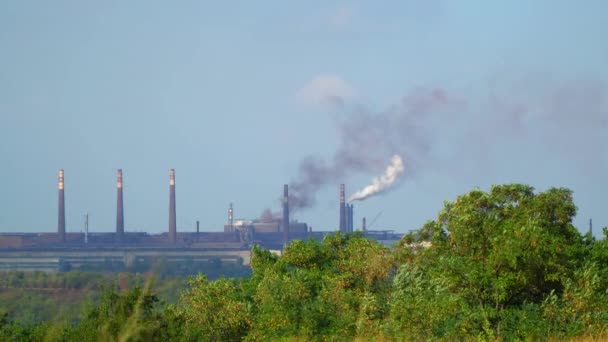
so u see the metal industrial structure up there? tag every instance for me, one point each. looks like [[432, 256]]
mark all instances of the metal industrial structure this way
[[61, 214], [52, 251], [285, 221], [342, 209], [172, 215], [120, 218]]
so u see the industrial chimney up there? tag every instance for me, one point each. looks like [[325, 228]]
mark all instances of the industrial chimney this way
[[346, 211], [231, 217], [363, 227], [342, 209], [351, 216], [172, 219], [61, 213], [285, 221], [120, 220]]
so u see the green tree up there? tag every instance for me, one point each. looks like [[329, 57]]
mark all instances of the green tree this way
[[497, 250], [214, 310], [320, 290]]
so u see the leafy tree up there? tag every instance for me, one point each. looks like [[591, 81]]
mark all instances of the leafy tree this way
[[214, 310], [317, 290], [497, 250], [128, 316]]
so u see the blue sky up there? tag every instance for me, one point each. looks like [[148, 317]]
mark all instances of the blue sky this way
[[234, 97]]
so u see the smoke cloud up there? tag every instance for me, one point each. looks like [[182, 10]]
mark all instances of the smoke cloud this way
[[269, 216], [368, 139], [533, 108], [326, 90], [382, 183]]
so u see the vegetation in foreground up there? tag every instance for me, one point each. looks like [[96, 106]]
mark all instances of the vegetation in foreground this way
[[502, 265], [30, 297]]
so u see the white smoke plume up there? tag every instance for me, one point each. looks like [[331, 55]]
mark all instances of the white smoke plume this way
[[426, 120], [367, 138], [382, 183]]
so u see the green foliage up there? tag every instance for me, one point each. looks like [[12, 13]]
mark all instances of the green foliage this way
[[514, 245], [508, 264], [415, 301], [320, 288], [213, 310], [39, 296]]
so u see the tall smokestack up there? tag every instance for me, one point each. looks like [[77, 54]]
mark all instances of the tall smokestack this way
[[591, 227], [347, 217], [351, 216], [346, 208], [120, 219], [363, 226], [285, 222], [231, 217], [172, 219], [342, 209], [61, 213]]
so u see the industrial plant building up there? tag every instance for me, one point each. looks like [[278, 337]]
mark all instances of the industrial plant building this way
[[68, 250]]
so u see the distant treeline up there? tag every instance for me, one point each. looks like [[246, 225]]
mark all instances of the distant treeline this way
[[189, 266], [33, 296], [92, 276], [501, 265]]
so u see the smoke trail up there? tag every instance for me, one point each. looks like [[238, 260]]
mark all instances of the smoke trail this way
[[512, 111], [269, 216], [368, 139], [382, 183]]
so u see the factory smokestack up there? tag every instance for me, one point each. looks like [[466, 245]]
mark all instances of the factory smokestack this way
[[347, 216], [342, 209], [172, 219], [285, 222], [351, 217], [231, 217], [363, 226], [120, 219], [61, 213]]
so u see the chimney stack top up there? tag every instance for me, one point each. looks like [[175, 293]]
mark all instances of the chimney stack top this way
[[119, 179], [60, 179]]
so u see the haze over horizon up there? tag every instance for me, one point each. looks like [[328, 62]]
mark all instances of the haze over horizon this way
[[242, 99]]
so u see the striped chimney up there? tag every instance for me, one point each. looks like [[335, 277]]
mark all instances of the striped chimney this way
[[61, 212], [172, 219], [342, 209], [285, 221], [120, 219]]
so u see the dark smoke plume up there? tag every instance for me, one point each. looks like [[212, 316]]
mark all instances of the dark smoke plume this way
[[368, 140], [269, 216], [571, 118]]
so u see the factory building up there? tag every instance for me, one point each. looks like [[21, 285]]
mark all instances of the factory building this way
[[271, 233], [39, 250]]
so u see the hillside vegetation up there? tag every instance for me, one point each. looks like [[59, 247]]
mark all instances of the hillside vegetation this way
[[501, 265]]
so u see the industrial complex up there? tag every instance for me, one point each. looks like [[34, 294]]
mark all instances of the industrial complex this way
[[67, 250]]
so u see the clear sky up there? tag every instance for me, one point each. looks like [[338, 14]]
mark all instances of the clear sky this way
[[234, 95]]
